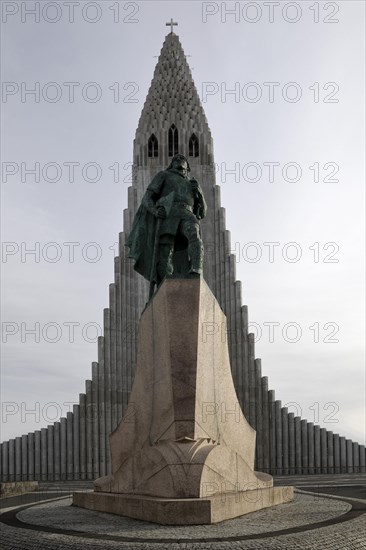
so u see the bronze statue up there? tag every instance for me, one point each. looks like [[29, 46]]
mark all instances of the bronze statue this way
[[165, 239]]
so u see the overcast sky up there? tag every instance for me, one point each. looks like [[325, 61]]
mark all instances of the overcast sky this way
[[291, 133]]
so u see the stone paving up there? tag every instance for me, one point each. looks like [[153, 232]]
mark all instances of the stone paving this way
[[306, 509], [303, 510], [346, 536]]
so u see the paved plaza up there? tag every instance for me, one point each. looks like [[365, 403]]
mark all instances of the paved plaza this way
[[328, 512]]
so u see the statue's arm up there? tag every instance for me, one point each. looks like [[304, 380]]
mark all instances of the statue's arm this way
[[149, 200], [203, 204], [200, 206], [152, 194]]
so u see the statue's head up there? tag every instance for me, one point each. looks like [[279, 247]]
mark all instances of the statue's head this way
[[180, 162]]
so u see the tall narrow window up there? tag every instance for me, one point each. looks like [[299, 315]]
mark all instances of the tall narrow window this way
[[193, 147], [152, 147], [173, 141]]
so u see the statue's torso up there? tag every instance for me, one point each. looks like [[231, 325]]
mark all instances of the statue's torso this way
[[167, 182], [180, 186]]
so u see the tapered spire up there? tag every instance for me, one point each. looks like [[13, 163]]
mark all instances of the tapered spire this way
[[172, 100]]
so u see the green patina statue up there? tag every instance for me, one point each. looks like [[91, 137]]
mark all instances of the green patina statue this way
[[165, 239]]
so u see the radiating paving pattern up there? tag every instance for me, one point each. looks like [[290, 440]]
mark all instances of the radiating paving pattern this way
[[303, 510], [309, 522]]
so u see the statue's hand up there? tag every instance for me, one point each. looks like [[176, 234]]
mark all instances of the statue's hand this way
[[194, 183], [160, 212]]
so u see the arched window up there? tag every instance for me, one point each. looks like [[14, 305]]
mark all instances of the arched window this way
[[152, 147], [193, 148], [173, 141]]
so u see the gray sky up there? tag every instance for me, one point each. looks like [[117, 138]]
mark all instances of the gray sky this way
[[308, 79]]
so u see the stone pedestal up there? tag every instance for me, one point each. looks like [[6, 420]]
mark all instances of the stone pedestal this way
[[183, 453]]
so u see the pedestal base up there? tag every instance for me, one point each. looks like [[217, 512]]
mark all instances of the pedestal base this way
[[187, 511], [183, 454]]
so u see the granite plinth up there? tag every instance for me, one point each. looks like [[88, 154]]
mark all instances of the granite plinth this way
[[184, 449], [189, 511]]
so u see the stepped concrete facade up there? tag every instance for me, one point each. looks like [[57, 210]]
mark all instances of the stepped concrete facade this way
[[77, 447]]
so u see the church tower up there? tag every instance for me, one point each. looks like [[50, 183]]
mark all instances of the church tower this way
[[77, 447]]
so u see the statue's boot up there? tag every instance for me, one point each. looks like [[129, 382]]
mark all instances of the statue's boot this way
[[195, 253], [165, 263]]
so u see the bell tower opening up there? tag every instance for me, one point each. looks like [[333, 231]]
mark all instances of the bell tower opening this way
[[173, 141], [193, 147], [153, 147]]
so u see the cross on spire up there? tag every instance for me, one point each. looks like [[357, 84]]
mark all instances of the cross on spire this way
[[171, 24]]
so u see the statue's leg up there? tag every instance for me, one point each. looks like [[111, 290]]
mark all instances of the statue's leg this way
[[165, 261], [191, 231]]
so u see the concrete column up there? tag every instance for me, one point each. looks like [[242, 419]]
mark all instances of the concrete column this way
[[362, 459], [113, 354], [272, 430], [356, 458], [89, 430], [101, 410], [324, 450], [235, 304], [317, 450], [217, 202], [124, 385], [30, 452], [107, 381], [123, 261], [278, 419], [37, 455], [69, 442], [63, 447], [337, 454], [76, 442], [259, 423], [117, 270], [251, 348], [330, 448], [134, 291], [227, 247], [342, 442], [349, 450], [18, 459], [44, 454], [231, 313], [244, 323], [239, 344], [50, 454], [24, 458], [5, 461], [95, 424], [311, 448], [285, 441], [304, 447], [265, 423], [291, 443], [56, 451], [222, 253], [298, 452], [12, 460], [127, 334], [82, 417]]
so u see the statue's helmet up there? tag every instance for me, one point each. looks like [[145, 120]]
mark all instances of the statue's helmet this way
[[179, 157]]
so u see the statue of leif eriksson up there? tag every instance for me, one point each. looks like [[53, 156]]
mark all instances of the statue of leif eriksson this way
[[165, 238]]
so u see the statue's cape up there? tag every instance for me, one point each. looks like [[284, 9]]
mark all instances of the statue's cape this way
[[141, 242]]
